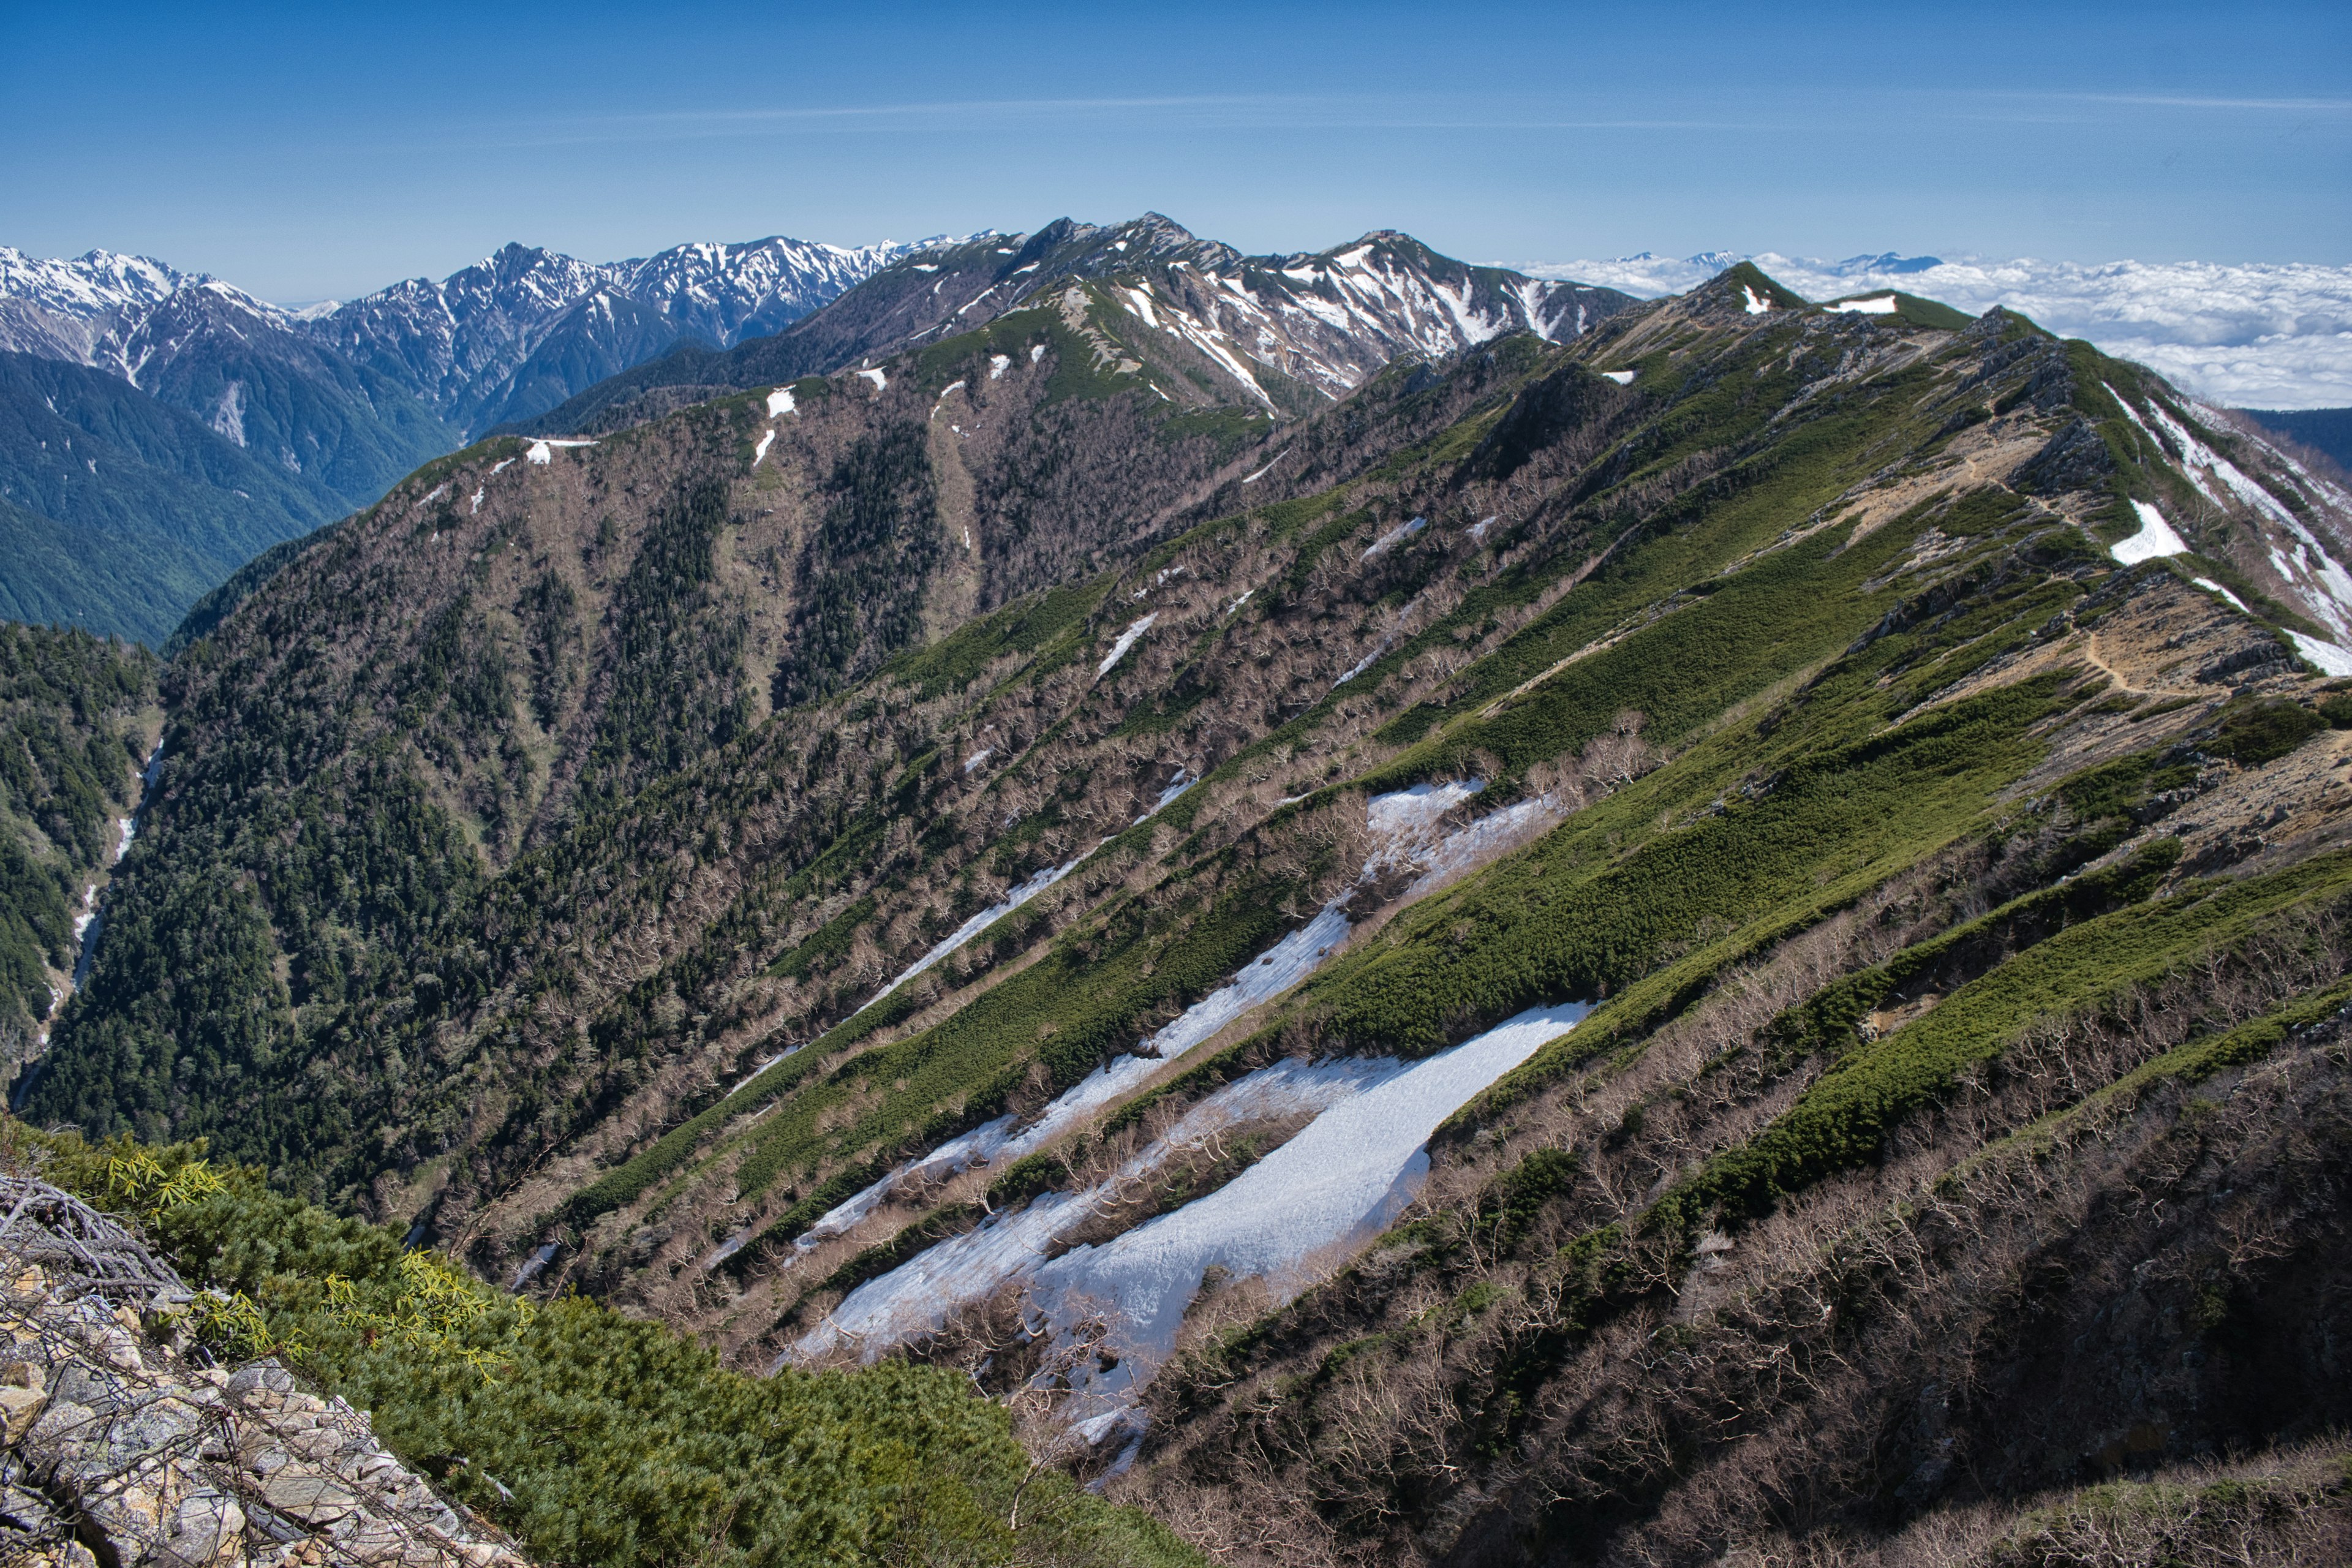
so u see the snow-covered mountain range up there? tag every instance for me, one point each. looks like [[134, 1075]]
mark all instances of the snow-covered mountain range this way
[[513, 335], [2248, 335], [1196, 319], [520, 330]]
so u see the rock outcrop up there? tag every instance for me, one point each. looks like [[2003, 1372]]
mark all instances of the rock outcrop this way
[[121, 1449]]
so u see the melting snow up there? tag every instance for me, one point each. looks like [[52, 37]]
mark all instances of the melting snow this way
[[1238, 603], [1395, 536], [543, 451], [998, 364], [1269, 466], [2155, 538], [1621, 377], [1015, 897], [1755, 306], [2320, 580], [767, 439], [921, 1293], [1362, 664], [500, 464], [1037, 352], [1325, 1193], [2330, 658], [1478, 529], [2210, 586], [978, 757], [780, 401], [1882, 306], [877, 377], [1126, 640], [477, 500]]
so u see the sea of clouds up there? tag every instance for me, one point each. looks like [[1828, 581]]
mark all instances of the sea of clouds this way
[[2252, 335]]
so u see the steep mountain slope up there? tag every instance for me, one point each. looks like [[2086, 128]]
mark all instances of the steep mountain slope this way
[[131, 509], [2325, 430], [77, 715], [1609, 949], [1282, 334], [331, 406], [341, 431]]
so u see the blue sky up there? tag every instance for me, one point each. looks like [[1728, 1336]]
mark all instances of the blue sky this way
[[306, 151]]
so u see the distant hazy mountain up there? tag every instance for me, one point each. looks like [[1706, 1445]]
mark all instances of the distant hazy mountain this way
[[122, 510], [1204, 323]]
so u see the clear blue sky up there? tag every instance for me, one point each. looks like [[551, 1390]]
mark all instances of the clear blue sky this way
[[305, 151]]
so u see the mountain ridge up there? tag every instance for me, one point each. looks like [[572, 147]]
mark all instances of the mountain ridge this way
[[1376, 972]]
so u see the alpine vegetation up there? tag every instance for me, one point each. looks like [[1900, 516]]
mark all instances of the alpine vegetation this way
[[1115, 902]]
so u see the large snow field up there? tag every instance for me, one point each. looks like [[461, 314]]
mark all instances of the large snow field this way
[[1367, 1167], [1287, 1219]]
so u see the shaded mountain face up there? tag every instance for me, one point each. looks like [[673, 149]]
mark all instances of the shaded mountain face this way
[[78, 716], [242, 366], [336, 404], [1280, 334], [124, 510], [1720, 934]]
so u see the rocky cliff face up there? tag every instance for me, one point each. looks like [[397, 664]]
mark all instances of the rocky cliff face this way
[[116, 1448]]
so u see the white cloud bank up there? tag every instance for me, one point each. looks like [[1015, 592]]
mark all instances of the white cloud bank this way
[[2252, 335]]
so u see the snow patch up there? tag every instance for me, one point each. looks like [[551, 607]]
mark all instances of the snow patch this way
[[1394, 537], [978, 757], [1621, 377], [1757, 306], [478, 500], [1884, 305], [1015, 897], [2210, 586], [780, 401], [2329, 659], [880, 381], [2155, 538], [1126, 640], [767, 439], [998, 364], [1270, 462], [1287, 1219], [1037, 352]]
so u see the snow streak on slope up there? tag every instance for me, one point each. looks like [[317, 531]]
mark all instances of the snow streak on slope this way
[[918, 1296], [2316, 581], [2155, 538], [921, 1294], [1287, 1219], [1015, 897]]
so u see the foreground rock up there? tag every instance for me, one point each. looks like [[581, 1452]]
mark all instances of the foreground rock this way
[[118, 1451]]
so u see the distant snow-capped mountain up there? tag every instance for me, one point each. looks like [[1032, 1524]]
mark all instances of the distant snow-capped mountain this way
[[1196, 320], [515, 333], [2247, 335], [524, 328]]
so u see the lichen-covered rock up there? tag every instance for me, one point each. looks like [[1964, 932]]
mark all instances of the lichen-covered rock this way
[[105, 1430]]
